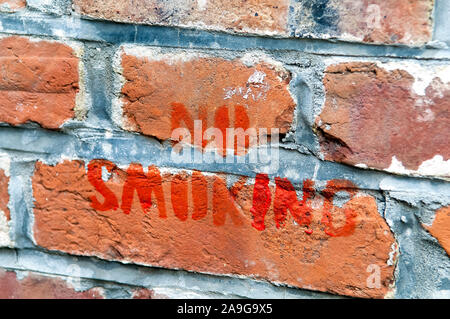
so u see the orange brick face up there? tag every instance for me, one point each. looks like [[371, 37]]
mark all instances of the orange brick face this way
[[372, 115], [440, 228], [163, 92], [188, 220], [254, 16], [39, 81]]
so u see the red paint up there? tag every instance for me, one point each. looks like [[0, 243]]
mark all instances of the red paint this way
[[286, 199], [180, 115], [333, 187], [145, 185], [224, 200], [224, 204], [95, 178], [222, 121], [241, 120], [237, 187], [199, 195], [179, 196], [262, 198]]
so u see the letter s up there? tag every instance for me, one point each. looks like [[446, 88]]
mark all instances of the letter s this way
[[95, 178]]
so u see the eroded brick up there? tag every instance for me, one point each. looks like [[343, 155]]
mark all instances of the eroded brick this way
[[5, 215], [12, 5], [165, 91], [39, 82], [35, 286], [376, 21], [189, 220], [253, 16], [440, 228], [389, 116]]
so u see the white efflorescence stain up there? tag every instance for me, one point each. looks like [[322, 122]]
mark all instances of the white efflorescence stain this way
[[435, 166], [256, 88]]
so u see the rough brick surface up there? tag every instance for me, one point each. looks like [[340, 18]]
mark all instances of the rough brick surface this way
[[441, 228], [12, 5], [5, 215], [39, 82], [387, 117], [336, 180], [35, 286], [220, 92], [254, 16], [4, 195], [378, 21], [195, 222]]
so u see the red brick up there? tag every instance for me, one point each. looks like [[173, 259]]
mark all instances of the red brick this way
[[254, 16], [166, 91], [5, 215], [4, 195], [35, 286], [375, 21], [374, 113], [12, 5], [39, 82], [179, 228], [440, 228]]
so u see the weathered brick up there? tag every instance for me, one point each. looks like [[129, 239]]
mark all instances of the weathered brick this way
[[12, 5], [5, 215], [253, 16], [4, 195], [376, 21], [35, 286], [165, 91], [440, 228], [392, 116], [193, 221], [39, 82]]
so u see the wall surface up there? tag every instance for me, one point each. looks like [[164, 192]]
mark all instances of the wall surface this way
[[120, 176]]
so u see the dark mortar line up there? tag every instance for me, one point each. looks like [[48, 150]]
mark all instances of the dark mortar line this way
[[164, 36], [213, 169], [152, 270]]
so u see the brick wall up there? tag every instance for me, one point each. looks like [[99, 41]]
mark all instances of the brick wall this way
[[124, 172]]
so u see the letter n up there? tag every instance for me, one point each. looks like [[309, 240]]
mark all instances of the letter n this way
[[286, 199]]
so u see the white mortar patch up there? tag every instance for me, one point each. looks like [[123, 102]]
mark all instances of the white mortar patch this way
[[423, 74], [158, 54], [5, 241], [397, 167], [5, 163], [435, 166]]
